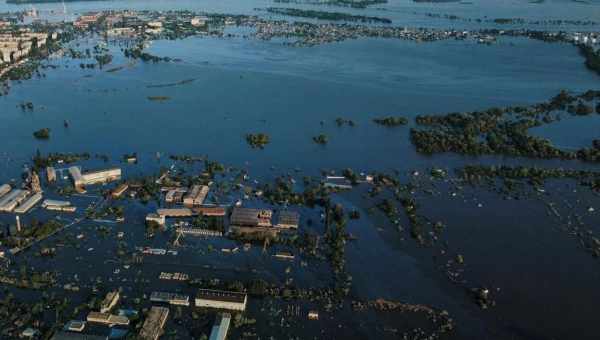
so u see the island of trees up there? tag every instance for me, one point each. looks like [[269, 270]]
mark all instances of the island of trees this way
[[42, 133]]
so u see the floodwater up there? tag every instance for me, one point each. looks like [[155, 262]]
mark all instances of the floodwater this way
[[546, 285]]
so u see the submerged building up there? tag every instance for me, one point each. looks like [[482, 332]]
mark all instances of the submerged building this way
[[196, 196], [10, 201], [288, 220], [107, 319], [29, 203], [170, 298], [221, 327], [159, 219], [4, 189], [94, 177], [175, 212], [245, 217], [58, 205], [110, 301], [210, 211], [152, 328], [51, 174], [120, 190]]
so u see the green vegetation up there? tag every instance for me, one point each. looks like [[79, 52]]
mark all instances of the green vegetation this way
[[158, 98], [40, 161], [322, 15], [503, 131], [343, 3], [535, 176], [34, 231], [321, 139], [592, 57], [391, 121], [103, 59], [42, 133], [152, 227], [138, 53], [258, 140], [341, 122], [23, 71], [336, 239]]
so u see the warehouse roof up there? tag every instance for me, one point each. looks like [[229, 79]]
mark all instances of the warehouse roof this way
[[221, 295]]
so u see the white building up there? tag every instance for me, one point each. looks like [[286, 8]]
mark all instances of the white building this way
[[94, 177], [10, 201], [199, 21], [109, 302], [29, 203], [160, 219], [221, 299], [107, 319]]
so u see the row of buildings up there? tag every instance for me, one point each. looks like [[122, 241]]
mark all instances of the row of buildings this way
[[127, 23], [154, 323], [207, 298], [17, 45], [19, 201]]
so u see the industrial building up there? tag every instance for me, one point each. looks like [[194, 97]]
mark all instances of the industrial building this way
[[221, 299], [15, 47], [75, 173], [245, 217], [175, 195], [210, 211], [288, 220], [107, 319], [252, 221], [4, 189], [10, 201], [196, 196], [85, 20], [51, 174], [58, 205], [199, 21], [178, 212], [93, 177], [198, 231], [120, 190], [109, 302], [29, 203], [170, 298], [75, 326], [152, 328], [69, 208], [160, 219], [221, 326]]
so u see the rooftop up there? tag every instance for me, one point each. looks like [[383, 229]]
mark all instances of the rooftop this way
[[221, 295]]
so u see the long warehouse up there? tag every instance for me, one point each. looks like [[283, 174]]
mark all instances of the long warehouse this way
[[29, 203]]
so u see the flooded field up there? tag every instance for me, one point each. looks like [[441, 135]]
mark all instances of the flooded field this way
[[446, 245]]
